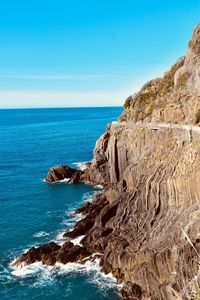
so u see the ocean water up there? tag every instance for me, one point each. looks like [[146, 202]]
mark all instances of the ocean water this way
[[33, 212]]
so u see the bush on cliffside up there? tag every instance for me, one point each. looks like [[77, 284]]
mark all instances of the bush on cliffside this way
[[182, 79], [152, 94], [128, 101]]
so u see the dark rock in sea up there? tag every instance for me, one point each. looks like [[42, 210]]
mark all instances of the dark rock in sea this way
[[81, 227], [93, 207], [45, 253], [91, 210], [69, 253], [58, 173], [51, 253], [48, 259]]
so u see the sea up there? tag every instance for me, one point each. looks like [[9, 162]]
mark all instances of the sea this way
[[33, 212]]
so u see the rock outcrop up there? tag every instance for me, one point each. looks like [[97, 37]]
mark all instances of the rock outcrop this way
[[146, 222], [174, 98], [62, 172], [51, 253]]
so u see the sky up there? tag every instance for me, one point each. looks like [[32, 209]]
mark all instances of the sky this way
[[69, 53]]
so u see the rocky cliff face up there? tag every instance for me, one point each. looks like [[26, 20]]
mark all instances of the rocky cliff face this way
[[146, 222], [175, 97], [152, 211]]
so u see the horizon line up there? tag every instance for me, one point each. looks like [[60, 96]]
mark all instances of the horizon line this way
[[60, 107]]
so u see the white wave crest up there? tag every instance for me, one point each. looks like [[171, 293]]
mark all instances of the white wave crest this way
[[77, 241], [59, 181], [40, 234], [24, 270], [80, 165], [91, 268], [63, 180], [99, 186], [89, 196]]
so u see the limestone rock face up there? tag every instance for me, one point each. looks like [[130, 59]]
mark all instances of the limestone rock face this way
[[174, 98]]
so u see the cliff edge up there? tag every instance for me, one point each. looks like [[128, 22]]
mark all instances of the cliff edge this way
[[173, 98]]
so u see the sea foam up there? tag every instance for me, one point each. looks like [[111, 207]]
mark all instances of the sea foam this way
[[40, 234], [80, 165], [91, 268], [77, 241]]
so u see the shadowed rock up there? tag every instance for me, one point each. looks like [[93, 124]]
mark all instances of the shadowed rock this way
[[91, 210], [132, 292], [45, 253], [51, 253], [58, 173], [69, 253]]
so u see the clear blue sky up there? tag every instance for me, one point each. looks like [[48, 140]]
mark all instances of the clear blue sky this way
[[86, 52]]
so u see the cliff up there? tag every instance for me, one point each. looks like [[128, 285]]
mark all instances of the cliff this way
[[152, 211], [174, 98], [146, 223]]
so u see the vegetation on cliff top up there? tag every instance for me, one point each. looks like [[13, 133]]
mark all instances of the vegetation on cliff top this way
[[153, 93]]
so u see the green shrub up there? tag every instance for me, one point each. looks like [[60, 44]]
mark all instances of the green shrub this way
[[153, 94]]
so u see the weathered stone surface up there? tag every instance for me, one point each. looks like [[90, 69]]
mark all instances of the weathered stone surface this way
[[132, 292], [69, 253], [93, 207], [58, 173], [173, 98], [81, 227], [91, 211], [51, 253], [158, 202], [45, 253]]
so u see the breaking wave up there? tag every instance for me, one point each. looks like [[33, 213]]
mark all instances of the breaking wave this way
[[80, 165], [45, 275]]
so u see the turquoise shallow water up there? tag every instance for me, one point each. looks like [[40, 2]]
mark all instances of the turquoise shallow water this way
[[33, 212]]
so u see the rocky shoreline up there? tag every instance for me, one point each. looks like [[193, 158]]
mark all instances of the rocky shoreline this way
[[52, 253], [145, 223]]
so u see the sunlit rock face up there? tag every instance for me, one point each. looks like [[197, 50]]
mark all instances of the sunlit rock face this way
[[152, 211], [173, 98], [152, 179]]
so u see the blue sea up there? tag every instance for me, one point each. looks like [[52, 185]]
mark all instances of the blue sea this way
[[33, 212]]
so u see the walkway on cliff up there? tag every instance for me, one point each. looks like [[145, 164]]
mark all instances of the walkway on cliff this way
[[157, 126]]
